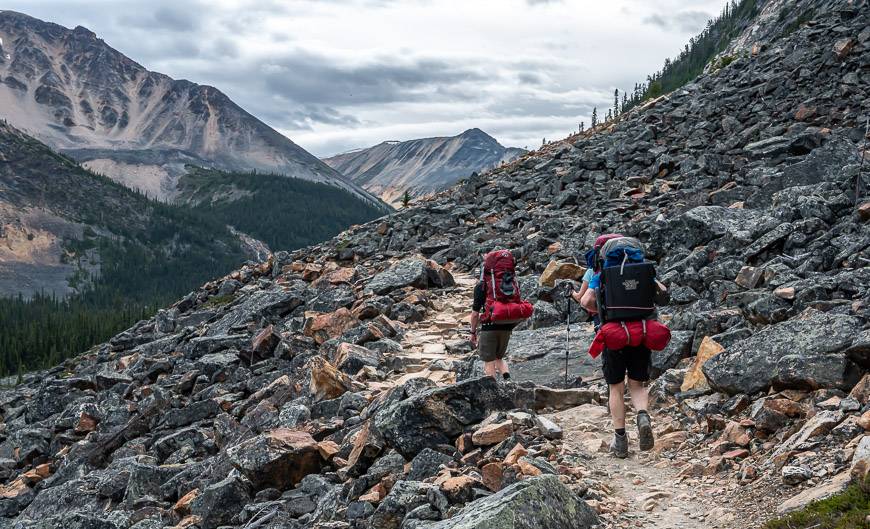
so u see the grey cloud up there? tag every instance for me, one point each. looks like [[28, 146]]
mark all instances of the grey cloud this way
[[685, 21], [307, 78], [168, 18], [542, 2], [304, 117]]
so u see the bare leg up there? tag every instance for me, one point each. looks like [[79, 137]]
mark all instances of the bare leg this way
[[639, 395], [490, 369], [502, 367], [617, 405]]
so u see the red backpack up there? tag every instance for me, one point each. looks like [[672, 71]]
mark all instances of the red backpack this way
[[503, 301]]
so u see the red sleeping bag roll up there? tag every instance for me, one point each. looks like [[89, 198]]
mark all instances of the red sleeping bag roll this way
[[619, 335], [510, 311]]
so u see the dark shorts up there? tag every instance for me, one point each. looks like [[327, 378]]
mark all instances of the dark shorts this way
[[492, 345], [633, 361]]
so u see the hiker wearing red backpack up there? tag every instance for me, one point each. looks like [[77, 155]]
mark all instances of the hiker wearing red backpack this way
[[624, 292], [497, 309]]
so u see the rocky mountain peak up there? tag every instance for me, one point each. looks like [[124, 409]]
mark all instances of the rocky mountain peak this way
[[71, 90], [421, 167]]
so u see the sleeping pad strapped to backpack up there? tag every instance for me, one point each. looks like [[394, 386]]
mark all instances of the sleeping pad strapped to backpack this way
[[503, 301]]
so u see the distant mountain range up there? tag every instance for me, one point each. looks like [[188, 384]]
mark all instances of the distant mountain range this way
[[421, 167], [74, 92]]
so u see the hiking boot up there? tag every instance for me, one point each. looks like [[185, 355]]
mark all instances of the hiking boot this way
[[619, 445], [644, 432]]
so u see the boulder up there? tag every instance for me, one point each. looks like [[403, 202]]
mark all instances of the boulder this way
[[560, 270], [801, 353], [533, 503], [437, 416], [404, 497], [327, 382], [426, 464], [279, 458], [220, 502], [695, 378], [323, 327], [414, 272]]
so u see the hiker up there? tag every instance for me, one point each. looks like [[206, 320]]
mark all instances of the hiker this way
[[623, 292], [588, 304], [497, 309]]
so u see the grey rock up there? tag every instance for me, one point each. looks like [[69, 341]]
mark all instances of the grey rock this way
[[529, 504]]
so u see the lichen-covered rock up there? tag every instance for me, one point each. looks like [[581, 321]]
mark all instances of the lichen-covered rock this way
[[802, 353], [533, 503], [436, 416], [278, 458], [414, 272]]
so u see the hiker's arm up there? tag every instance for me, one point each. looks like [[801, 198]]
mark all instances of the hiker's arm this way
[[475, 321], [589, 302], [578, 296], [662, 297]]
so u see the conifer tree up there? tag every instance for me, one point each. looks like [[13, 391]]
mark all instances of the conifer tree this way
[[594, 117], [406, 199]]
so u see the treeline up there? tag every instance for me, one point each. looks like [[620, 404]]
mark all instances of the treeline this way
[[44, 330], [285, 213], [690, 62]]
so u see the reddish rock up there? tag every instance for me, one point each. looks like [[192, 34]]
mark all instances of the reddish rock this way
[[670, 441], [459, 489], [327, 382], [861, 391], [805, 113], [323, 327], [736, 434], [86, 423], [266, 341], [367, 445], [515, 454], [327, 449], [182, 506], [864, 211], [492, 433], [843, 47], [736, 454], [492, 476]]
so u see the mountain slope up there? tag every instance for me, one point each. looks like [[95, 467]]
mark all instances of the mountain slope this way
[[285, 213], [742, 186], [421, 166], [56, 217], [71, 90]]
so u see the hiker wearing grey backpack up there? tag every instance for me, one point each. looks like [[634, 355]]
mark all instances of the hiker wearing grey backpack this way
[[624, 293]]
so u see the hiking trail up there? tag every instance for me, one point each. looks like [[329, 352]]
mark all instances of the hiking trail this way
[[643, 491]]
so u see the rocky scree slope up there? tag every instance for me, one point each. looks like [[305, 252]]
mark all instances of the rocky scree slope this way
[[266, 398], [421, 167], [71, 90]]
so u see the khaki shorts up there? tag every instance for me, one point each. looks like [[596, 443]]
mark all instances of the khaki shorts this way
[[492, 345]]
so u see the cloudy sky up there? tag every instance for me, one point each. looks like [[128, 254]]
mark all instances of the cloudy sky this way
[[334, 75]]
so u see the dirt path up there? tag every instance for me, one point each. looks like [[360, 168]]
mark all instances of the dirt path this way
[[643, 491]]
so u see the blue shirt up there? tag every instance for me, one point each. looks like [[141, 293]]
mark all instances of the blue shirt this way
[[587, 277], [595, 282]]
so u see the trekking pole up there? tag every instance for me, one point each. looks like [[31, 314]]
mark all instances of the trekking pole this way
[[567, 339], [861, 168]]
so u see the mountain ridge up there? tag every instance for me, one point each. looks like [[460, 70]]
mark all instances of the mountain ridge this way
[[73, 91], [421, 166]]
